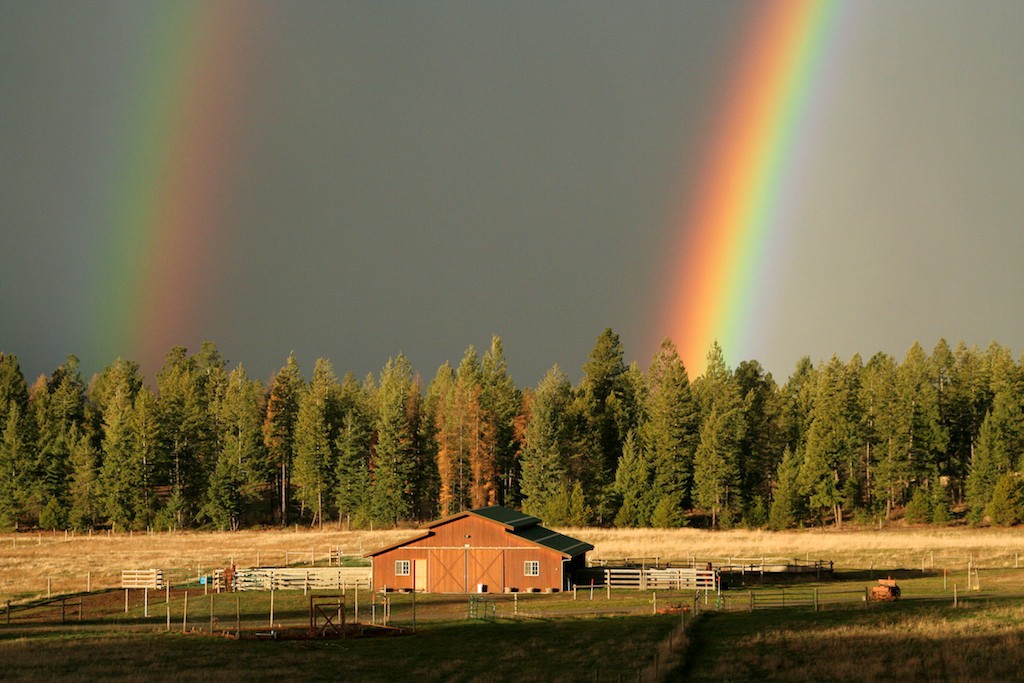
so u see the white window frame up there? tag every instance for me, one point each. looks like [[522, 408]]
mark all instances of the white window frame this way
[[403, 568], [531, 568]]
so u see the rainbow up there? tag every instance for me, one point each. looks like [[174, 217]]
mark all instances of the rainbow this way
[[174, 142], [734, 220]]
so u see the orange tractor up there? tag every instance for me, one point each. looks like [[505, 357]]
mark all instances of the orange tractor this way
[[886, 590]]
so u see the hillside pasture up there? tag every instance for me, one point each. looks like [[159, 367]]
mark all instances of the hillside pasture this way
[[599, 635]]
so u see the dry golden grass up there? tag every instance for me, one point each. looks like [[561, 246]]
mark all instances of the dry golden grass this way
[[28, 561], [848, 548]]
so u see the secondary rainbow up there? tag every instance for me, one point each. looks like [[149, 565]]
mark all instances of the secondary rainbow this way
[[733, 220], [175, 142]]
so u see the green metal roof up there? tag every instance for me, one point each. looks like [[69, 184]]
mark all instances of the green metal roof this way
[[503, 515], [554, 540], [517, 523]]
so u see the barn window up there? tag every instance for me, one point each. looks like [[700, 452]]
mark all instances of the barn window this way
[[531, 568], [403, 568]]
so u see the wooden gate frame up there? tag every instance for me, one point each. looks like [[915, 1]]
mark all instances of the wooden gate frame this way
[[317, 603]]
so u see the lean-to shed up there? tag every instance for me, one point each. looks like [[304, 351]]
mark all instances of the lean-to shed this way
[[488, 550]]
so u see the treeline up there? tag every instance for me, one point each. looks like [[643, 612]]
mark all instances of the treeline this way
[[932, 437]]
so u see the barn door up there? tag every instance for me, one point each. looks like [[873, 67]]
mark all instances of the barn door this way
[[448, 570], [419, 575], [487, 569]]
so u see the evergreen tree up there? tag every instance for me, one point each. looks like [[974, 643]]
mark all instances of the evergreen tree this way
[[785, 510], [185, 415], [224, 499], [1006, 507], [122, 375], [967, 401], [121, 473], [500, 401], [579, 512], [242, 466], [422, 471], [57, 406], [831, 441], [547, 442], [716, 476], [918, 433], [877, 397], [671, 426], [47, 472], [13, 388], [605, 405], [85, 497], [315, 429], [353, 449], [633, 485], [762, 445], [666, 514], [279, 428], [940, 507], [145, 430], [15, 463], [797, 400], [393, 458], [919, 509], [997, 449]]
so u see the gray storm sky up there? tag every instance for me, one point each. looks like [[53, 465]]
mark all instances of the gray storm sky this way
[[417, 176]]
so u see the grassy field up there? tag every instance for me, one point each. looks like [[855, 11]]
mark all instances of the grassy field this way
[[534, 637]]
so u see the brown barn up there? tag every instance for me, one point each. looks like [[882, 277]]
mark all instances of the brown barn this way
[[489, 550]]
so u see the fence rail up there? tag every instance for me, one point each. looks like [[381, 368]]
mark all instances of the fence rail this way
[[317, 578], [142, 578], [652, 579], [761, 565], [799, 597]]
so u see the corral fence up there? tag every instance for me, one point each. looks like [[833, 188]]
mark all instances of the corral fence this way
[[813, 598], [142, 578], [742, 565], [773, 565], [62, 605], [669, 579], [651, 578], [288, 578]]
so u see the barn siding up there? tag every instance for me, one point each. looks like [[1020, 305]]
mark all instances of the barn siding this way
[[467, 552]]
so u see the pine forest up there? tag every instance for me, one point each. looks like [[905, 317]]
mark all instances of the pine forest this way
[[932, 438]]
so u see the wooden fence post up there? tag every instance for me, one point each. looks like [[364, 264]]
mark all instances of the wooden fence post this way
[[184, 614]]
